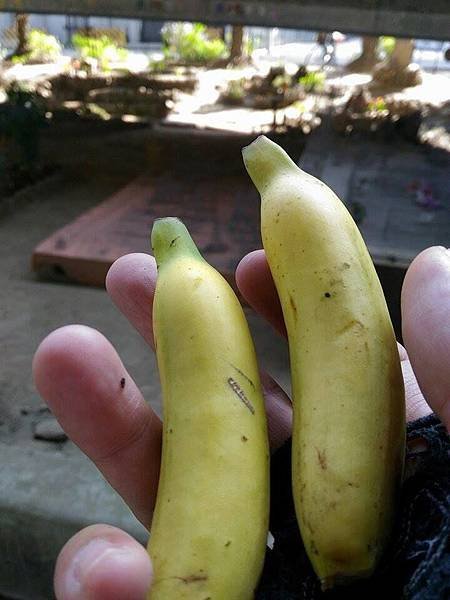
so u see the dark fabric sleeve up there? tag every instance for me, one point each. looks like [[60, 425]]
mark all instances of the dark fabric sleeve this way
[[416, 565]]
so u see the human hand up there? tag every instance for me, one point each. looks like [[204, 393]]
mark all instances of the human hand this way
[[79, 374], [122, 434]]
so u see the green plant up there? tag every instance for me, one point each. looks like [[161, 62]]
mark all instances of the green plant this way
[[158, 66], [250, 44], [42, 48], [299, 106], [282, 82], [102, 48], [312, 81], [235, 89], [190, 42], [386, 45], [377, 105]]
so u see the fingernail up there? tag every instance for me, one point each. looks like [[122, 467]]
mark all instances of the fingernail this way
[[445, 252], [84, 561], [439, 252]]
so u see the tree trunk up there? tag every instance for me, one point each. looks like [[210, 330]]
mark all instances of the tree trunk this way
[[22, 35], [221, 33], [397, 70], [402, 54], [237, 40], [368, 58]]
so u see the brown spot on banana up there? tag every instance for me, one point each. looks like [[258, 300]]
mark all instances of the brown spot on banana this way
[[192, 578], [322, 458], [353, 325], [293, 306]]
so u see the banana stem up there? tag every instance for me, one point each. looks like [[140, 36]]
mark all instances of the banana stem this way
[[265, 160], [170, 238]]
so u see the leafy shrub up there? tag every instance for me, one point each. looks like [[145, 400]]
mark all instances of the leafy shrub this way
[[282, 82], [42, 48], [377, 105], [236, 89], [102, 48], [386, 45], [312, 81], [190, 43], [158, 65]]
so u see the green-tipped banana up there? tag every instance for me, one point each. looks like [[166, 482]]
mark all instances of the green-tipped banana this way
[[209, 529], [348, 396]]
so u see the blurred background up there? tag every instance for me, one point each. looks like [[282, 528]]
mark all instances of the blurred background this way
[[114, 113]]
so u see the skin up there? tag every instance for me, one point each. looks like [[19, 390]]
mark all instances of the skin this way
[[120, 432]]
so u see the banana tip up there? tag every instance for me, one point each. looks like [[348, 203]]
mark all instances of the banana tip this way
[[170, 237], [265, 160], [253, 147]]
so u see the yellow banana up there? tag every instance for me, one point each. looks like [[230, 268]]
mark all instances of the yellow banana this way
[[348, 395], [209, 529]]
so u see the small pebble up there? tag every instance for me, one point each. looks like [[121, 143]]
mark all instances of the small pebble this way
[[30, 410], [49, 430]]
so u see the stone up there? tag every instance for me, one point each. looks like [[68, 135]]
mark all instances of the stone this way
[[49, 430]]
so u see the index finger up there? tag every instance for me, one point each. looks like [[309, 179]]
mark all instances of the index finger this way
[[131, 283], [255, 282], [426, 326]]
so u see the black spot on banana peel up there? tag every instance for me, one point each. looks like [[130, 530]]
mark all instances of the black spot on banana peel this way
[[348, 396], [215, 457]]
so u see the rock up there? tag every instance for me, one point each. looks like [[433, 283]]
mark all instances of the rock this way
[[388, 75], [28, 410], [49, 430]]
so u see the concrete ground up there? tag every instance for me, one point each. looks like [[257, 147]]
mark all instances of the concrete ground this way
[[31, 308], [49, 490]]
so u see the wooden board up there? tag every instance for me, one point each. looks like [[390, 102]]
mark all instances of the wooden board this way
[[406, 18], [221, 213], [222, 210]]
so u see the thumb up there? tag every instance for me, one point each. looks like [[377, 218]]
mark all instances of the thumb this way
[[426, 326], [102, 562]]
